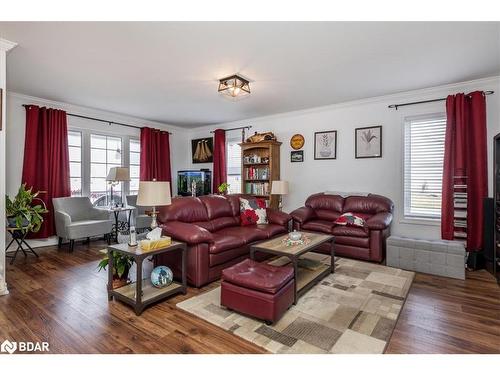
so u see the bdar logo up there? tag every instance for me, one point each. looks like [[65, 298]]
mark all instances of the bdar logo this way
[[8, 347]]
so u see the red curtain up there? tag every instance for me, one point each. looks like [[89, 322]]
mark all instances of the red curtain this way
[[46, 159], [220, 171], [155, 155], [465, 162]]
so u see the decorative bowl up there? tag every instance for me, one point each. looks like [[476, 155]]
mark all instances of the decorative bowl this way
[[295, 236]]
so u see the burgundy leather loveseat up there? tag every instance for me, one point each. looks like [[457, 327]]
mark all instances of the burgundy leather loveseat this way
[[368, 243], [210, 225]]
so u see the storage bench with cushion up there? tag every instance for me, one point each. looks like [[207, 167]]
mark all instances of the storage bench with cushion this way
[[257, 289]]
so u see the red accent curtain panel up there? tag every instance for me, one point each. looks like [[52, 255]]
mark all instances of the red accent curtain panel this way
[[465, 163], [155, 155], [46, 160], [220, 171]]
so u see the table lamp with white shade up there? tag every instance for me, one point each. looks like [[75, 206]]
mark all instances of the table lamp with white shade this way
[[152, 194], [279, 188], [115, 176]]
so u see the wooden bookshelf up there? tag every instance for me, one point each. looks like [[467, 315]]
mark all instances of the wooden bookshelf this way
[[260, 165]]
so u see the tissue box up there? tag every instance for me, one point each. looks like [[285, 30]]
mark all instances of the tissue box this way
[[155, 244]]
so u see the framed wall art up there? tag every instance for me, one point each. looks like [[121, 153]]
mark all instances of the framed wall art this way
[[368, 142], [297, 156], [325, 145], [202, 150]]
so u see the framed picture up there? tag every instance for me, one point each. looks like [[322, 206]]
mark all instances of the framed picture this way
[[325, 145], [297, 141], [202, 150], [368, 142], [297, 156]]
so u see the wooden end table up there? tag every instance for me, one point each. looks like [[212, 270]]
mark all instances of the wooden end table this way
[[305, 278], [142, 293]]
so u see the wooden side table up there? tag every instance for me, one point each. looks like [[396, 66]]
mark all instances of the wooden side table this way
[[142, 293]]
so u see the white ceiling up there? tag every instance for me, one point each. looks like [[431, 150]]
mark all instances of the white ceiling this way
[[168, 71]]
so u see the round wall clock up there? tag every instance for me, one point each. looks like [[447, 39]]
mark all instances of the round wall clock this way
[[297, 141]]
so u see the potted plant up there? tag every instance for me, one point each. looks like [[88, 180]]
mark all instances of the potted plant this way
[[223, 188], [121, 268], [22, 213]]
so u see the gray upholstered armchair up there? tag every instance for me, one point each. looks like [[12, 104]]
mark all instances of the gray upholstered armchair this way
[[76, 218], [140, 219]]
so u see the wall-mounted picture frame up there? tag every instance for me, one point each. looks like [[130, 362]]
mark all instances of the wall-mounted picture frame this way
[[325, 145], [202, 150], [297, 156], [368, 142], [297, 141]]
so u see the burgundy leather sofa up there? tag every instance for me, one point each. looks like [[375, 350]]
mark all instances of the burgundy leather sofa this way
[[321, 210], [210, 225]]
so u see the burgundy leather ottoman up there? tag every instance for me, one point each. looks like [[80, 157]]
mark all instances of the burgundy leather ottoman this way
[[258, 289]]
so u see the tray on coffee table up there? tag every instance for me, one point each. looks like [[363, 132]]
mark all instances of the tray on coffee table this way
[[306, 274]]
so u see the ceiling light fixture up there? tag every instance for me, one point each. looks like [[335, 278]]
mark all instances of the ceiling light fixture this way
[[234, 86]]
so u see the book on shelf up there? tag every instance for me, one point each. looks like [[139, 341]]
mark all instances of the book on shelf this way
[[257, 188], [255, 173]]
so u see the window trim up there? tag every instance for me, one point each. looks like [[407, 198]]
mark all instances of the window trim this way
[[86, 152], [233, 140], [412, 219], [81, 160]]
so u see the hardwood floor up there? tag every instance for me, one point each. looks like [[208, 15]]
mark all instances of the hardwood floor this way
[[62, 299]]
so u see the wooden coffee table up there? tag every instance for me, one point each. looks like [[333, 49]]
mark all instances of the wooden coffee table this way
[[305, 277]]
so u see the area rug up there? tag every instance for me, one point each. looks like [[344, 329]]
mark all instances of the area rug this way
[[353, 311]]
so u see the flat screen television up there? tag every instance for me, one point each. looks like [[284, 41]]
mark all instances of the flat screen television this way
[[203, 178]]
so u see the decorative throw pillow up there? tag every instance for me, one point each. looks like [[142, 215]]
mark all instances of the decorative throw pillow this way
[[350, 220], [253, 211]]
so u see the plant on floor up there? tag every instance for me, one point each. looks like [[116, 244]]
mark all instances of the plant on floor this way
[[121, 267], [223, 188], [22, 212]]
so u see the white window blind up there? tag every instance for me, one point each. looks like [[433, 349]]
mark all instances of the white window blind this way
[[233, 153], [423, 165]]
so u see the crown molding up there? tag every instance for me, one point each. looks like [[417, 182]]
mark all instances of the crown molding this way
[[419, 94], [6, 45], [93, 112]]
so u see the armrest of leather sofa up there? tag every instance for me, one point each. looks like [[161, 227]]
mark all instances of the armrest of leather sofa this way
[[303, 214], [379, 221], [278, 217], [189, 233]]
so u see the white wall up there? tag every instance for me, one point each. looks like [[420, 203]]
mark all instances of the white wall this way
[[381, 175], [16, 119], [5, 46]]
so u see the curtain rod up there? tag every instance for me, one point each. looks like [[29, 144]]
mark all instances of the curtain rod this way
[[241, 127], [100, 120], [395, 106]]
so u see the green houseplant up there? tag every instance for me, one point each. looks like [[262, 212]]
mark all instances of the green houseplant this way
[[223, 188], [121, 268], [22, 212]]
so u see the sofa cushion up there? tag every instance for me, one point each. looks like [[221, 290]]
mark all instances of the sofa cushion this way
[[271, 230], [371, 204], [217, 206], [353, 241], [224, 222], [327, 214], [228, 256], [253, 211], [88, 228], [258, 276], [317, 225], [325, 202], [224, 242], [249, 233], [184, 209], [350, 231]]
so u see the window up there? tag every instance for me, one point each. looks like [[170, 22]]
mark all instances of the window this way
[[134, 161], [423, 166], [233, 166], [75, 162], [105, 152]]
